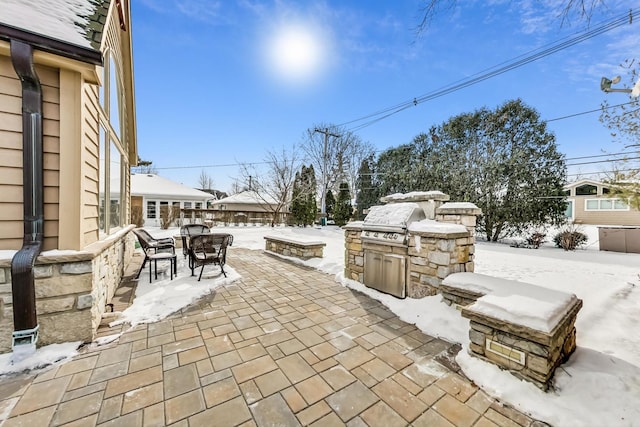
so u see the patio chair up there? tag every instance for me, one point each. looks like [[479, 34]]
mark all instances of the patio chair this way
[[150, 245], [189, 230], [205, 249]]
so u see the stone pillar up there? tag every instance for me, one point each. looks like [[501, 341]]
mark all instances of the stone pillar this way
[[463, 213], [354, 254], [435, 251]]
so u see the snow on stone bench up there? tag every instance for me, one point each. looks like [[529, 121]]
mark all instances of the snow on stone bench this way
[[525, 328], [294, 247]]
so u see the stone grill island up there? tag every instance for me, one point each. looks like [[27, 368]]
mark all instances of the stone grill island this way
[[419, 244]]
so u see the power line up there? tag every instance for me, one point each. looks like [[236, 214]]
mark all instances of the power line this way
[[494, 71], [453, 140]]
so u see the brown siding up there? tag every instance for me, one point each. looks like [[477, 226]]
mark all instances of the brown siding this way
[[630, 217], [11, 219], [91, 144]]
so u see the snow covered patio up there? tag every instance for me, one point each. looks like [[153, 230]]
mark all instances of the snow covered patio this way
[[283, 345], [598, 386]]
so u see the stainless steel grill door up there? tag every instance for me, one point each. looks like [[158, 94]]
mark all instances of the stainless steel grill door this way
[[385, 272]]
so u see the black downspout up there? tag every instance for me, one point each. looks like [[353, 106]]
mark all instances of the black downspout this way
[[25, 323]]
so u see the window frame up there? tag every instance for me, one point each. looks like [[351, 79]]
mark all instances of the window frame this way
[[113, 143], [613, 208]]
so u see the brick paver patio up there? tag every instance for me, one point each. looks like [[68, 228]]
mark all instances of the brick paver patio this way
[[285, 345]]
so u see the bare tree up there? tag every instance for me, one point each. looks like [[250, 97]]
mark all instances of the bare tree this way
[[583, 8], [205, 182], [356, 153], [273, 186], [329, 149], [237, 186], [144, 167], [623, 121]]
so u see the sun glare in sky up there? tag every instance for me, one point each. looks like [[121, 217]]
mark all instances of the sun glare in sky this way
[[297, 54]]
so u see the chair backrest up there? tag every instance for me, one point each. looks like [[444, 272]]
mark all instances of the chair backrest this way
[[192, 229], [144, 238], [147, 241], [214, 243]]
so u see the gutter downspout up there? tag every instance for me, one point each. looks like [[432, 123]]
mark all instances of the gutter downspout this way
[[25, 321]]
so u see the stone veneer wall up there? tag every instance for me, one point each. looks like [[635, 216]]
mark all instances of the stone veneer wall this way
[[72, 289], [541, 352], [301, 249], [353, 254], [432, 256]]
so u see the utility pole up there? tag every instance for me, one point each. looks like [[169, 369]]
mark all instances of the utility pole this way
[[326, 133]]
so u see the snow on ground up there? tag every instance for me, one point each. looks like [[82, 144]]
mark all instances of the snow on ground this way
[[598, 386]]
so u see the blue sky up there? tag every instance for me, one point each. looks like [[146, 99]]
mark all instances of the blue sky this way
[[222, 82]]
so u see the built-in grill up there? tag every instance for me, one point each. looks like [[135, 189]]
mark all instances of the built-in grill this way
[[384, 240]]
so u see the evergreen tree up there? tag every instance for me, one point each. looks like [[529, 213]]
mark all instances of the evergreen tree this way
[[367, 193], [330, 203], [343, 209], [505, 161], [297, 200], [310, 204]]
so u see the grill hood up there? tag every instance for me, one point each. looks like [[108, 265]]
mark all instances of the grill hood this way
[[393, 216]]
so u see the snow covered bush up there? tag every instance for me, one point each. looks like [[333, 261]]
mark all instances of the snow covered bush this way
[[570, 237]]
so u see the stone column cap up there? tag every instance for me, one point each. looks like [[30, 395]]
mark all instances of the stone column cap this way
[[353, 225], [459, 208], [415, 196]]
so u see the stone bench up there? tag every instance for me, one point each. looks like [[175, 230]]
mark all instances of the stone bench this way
[[293, 247], [526, 329]]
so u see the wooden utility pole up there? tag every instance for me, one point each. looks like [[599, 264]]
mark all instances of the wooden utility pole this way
[[324, 171]]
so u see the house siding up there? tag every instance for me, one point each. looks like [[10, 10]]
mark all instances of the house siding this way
[[90, 165], [72, 289], [617, 217], [11, 207]]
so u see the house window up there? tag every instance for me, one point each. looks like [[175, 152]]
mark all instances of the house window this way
[[187, 205], [151, 210], [605, 205], [115, 186], [198, 205], [114, 96], [586, 190], [568, 213], [112, 170]]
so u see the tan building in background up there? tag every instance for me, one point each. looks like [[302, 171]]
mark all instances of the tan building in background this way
[[67, 140], [589, 203]]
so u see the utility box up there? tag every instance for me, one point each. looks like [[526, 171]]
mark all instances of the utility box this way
[[619, 239]]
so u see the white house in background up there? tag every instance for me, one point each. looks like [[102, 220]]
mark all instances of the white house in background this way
[[150, 192]]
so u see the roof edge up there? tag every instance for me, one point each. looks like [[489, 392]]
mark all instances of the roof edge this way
[[7, 32]]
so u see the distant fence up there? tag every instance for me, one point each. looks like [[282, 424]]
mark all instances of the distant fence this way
[[227, 217]]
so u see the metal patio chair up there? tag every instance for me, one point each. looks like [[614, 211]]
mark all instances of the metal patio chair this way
[[205, 249], [150, 245]]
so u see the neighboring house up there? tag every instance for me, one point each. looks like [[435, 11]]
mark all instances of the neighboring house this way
[[589, 203], [67, 140], [248, 207], [150, 193]]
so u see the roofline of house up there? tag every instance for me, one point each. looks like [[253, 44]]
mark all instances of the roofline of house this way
[[7, 32], [586, 181]]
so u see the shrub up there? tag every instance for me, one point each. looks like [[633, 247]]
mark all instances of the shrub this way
[[168, 214], [536, 238], [136, 216], [570, 238]]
